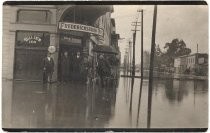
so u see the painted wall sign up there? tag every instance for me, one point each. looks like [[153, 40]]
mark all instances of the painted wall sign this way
[[32, 39], [69, 40], [81, 27]]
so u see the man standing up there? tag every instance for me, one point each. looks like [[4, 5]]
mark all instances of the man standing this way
[[77, 66], [65, 66], [48, 68], [104, 69]]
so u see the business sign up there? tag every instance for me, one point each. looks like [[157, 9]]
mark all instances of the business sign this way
[[32, 39], [81, 27], [69, 40]]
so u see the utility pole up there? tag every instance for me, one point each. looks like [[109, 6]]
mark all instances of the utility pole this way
[[126, 61], [142, 48], [134, 42], [128, 57], [196, 62], [142, 67], [197, 48], [130, 63], [151, 68]]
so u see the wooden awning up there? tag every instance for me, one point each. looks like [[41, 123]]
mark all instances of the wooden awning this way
[[104, 49]]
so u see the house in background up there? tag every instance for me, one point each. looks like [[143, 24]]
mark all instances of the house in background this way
[[196, 64]]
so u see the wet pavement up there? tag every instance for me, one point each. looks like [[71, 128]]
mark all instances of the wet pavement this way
[[175, 104]]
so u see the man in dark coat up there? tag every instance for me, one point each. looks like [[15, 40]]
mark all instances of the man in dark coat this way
[[104, 69], [65, 66], [48, 68], [77, 66]]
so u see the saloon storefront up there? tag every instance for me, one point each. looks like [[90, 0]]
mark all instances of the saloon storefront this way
[[30, 49], [75, 29]]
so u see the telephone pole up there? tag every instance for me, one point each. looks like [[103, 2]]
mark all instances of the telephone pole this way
[[130, 58], [151, 68], [197, 48], [142, 67], [142, 48], [135, 24]]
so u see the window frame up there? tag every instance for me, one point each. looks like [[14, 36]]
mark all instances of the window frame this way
[[47, 18]]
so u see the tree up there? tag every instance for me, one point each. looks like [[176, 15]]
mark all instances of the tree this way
[[146, 59], [158, 56], [174, 49]]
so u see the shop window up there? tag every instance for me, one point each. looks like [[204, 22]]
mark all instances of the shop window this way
[[34, 16], [201, 60], [32, 39]]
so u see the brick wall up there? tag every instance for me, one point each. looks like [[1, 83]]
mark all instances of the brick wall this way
[[10, 26], [7, 45]]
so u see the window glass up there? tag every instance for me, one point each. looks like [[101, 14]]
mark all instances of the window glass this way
[[32, 39], [30, 16], [201, 60]]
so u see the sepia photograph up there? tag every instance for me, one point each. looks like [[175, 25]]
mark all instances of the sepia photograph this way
[[105, 66]]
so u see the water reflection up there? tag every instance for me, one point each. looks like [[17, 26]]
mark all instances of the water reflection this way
[[177, 90], [131, 99], [183, 102], [68, 105], [175, 104]]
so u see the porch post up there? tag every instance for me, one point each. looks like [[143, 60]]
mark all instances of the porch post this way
[[54, 41]]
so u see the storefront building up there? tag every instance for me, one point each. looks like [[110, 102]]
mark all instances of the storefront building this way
[[29, 30]]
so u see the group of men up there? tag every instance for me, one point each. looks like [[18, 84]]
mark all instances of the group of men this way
[[70, 66], [103, 68], [67, 67]]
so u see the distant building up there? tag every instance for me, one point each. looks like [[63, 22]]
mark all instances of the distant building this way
[[192, 64]]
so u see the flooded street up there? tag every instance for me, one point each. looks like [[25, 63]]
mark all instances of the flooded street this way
[[175, 104]]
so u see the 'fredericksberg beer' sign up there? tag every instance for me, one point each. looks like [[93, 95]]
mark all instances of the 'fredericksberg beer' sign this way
[[80, 27]]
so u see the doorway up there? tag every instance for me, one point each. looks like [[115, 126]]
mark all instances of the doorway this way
[[28, 64], [75, 60]]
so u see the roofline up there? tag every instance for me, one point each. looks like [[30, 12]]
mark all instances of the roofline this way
[[190, 55]]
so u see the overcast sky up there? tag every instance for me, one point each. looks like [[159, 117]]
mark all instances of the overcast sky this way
[[187, 22]]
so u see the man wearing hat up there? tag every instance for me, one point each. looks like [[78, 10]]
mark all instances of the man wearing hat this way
[[48, 68], [104, 69]]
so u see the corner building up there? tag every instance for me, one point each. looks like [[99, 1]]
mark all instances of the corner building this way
[[29, 30]]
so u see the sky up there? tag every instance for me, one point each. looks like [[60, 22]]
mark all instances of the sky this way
[[186, 22]]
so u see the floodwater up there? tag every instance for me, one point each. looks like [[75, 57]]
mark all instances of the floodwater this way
[[175, 104]]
